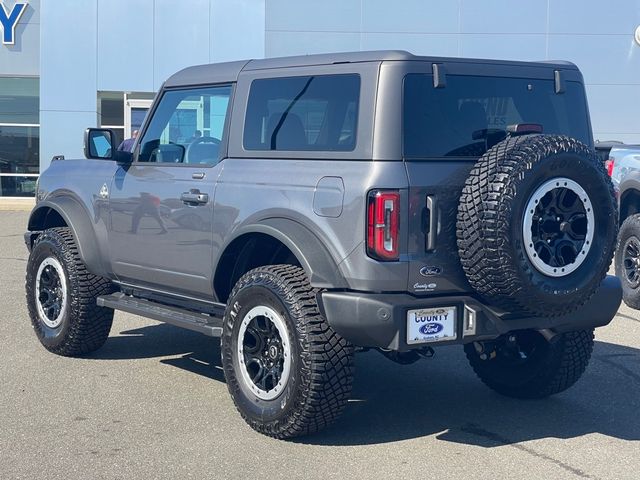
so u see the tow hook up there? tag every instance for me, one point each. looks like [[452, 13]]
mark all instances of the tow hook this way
[[407, 358], [426, 352]]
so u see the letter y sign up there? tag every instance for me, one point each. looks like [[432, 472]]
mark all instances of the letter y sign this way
[[9, 22]]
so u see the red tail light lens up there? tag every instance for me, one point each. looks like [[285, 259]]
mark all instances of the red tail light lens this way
[[383, 225], [609, 165]]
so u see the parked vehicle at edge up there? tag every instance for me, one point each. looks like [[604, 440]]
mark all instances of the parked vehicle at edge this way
[[623, 165], [338, 203], [604, 147]]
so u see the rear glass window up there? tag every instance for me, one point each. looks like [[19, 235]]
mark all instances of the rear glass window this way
[[471, 114], [310, 113]]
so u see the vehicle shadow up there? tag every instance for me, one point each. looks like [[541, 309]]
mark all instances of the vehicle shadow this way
[[189, 350], [443, 397], [440, 396], [157, 340]]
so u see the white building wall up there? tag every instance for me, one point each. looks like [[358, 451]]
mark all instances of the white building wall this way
[[597, 36], [129, 45]]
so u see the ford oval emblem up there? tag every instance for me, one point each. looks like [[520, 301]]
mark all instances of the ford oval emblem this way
[[430, 271], [431, 328]]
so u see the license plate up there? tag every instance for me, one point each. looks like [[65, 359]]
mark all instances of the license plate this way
[[431, 325]]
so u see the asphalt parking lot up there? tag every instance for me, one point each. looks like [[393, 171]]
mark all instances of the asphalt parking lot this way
[[152, 403]]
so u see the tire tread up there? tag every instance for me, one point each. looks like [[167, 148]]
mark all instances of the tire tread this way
[[327, 358], [493, 268]]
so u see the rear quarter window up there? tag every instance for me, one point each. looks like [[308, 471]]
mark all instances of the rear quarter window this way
[[305, 113], [471, 113]]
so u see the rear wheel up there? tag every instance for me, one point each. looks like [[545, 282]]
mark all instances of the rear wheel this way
[[525, 364], [627, 260], [61, 296], [287, 371]]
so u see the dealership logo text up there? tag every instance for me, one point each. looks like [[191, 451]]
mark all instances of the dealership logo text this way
[[9, 20]]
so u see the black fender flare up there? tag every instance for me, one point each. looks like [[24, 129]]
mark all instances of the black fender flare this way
[[79, 221], [312, 254], [630, 182]]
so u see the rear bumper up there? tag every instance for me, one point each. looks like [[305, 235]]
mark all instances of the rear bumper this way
[[379, 320]]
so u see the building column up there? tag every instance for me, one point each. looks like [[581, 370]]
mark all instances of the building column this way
[[68, 79]]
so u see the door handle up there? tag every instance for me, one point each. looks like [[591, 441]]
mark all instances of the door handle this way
[[432, 222], [194, 197]]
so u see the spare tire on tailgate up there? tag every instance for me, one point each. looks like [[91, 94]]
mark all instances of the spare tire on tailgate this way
[[537, 223]]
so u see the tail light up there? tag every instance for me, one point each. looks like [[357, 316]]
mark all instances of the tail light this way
[[383, 225], [609, 165]]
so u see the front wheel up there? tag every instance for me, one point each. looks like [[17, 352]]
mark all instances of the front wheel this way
[[61, 296], [525, 364], [288, 372]]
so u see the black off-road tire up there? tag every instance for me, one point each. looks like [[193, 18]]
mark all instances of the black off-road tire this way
[[84, 327], [321, 374], [554, 367], [490, 224], [627, 250]]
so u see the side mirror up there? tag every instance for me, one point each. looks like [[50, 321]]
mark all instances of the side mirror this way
[[99, 144]]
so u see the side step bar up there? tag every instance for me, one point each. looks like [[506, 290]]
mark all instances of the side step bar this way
[[199, 322]]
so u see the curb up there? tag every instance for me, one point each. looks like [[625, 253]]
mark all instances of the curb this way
[[17, 205]]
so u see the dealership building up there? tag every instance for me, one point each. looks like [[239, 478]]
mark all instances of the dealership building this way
[[67, 64]]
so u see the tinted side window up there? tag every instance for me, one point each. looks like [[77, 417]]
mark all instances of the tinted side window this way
[[471, 113], [311, 113], [187, 127]]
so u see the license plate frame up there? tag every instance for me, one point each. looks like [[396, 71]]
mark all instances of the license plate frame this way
[[443, 321]]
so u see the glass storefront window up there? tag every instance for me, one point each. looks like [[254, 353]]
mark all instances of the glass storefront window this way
[[119, 135], [19, 100], [19, 136], [19, 149], [18, 186], [123, 112], [137, 117], [111, 108]]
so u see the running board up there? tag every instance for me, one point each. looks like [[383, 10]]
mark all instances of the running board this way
[[198, 322]]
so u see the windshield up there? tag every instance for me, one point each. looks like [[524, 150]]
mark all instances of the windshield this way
[[471, 113]]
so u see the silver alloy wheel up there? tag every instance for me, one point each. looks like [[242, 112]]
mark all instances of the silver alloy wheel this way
[[631, 262], [51, 292], [264, 352], [558, 227]]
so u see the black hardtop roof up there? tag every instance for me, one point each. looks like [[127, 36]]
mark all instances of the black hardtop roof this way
[[229, 71]]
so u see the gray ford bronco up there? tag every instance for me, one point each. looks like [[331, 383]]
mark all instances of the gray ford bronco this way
[[307, 208]]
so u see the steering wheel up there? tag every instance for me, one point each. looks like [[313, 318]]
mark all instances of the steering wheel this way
[[200, 141]]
